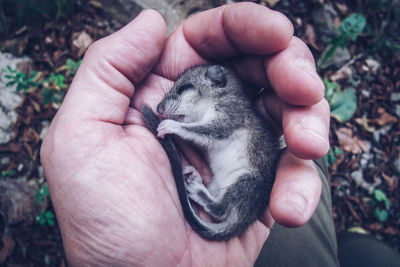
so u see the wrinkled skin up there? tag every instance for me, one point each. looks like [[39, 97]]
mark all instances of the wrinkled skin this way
[[110, 181]]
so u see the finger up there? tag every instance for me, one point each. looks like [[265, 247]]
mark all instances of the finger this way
[[224, 32], [252, 70], [104, 83], [238, 28], [306, 129], [177, 56], [296, 191], [293, 76]]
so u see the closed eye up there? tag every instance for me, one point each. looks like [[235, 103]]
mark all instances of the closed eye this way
[[184, 87]]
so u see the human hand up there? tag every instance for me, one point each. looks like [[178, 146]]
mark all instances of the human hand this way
[[110, 181]]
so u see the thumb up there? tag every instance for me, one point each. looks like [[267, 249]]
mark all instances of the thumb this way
[[111, 68]]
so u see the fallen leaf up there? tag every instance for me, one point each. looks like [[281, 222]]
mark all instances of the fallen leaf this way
[[336, 22], [391, 182], [343, 104], [344, 73], [16, 45], [271, 3], [385, 118], [310, 36], [364, 123], [341, 7], [298, 21], [375, 226], [391, 231], [372, 64], [95, 4], [48, 40], [36, 106], [357, 229], [351, 143], [7, 249], [81, 40]]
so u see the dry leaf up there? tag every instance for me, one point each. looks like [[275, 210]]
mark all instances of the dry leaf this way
[[341, 7], [310, 36], [81, 40], [36, 106], [336, 22], [351, 143], [372, 64], [391, 182], [364, 123], [375, 226], [343, 73], [298, 21], [385, 118], [95, 4], [271, 3], [391, 231]]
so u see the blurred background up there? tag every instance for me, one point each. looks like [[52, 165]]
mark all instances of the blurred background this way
[[357, 49]]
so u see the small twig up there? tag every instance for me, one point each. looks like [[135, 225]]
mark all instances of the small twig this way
[[350, 62]]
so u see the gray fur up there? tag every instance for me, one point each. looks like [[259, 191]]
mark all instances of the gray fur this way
[[209, 106]]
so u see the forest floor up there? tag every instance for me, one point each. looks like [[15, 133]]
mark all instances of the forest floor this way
[[363, 89]]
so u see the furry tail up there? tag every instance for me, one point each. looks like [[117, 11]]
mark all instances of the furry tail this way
[[211, 231]]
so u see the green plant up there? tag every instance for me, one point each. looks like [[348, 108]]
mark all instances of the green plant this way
[[52, 88], [381, 205], [343, 103], [22, 81], [46, 216], [42, 194], [72, 66], [350, 28], [332, 155], [5, 174], [57, 81]]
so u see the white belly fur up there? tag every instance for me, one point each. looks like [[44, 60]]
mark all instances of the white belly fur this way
[[228, 161]]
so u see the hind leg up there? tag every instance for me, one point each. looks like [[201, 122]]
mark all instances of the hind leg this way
[[199, 193], [195, 187]]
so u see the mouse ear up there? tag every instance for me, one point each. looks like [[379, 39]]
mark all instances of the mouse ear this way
[[217, 75]]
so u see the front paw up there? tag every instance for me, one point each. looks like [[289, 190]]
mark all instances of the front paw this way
[[167, 127]]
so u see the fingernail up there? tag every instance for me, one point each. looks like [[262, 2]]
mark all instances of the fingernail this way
[[309, 67], [315, 127], [297, 202], [289, 23]]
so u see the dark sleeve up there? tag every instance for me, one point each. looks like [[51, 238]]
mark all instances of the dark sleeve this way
[[313, 244]]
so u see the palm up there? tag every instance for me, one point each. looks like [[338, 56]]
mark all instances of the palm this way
[[148, 182]]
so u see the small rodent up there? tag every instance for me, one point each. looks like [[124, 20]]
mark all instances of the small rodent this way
[[209, 106]]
